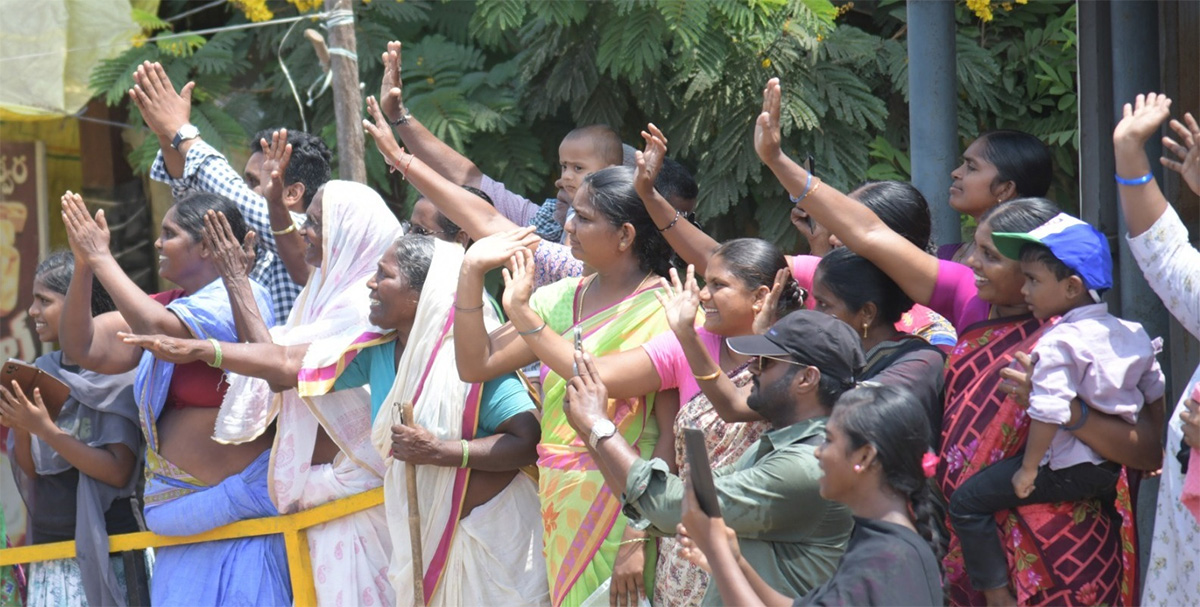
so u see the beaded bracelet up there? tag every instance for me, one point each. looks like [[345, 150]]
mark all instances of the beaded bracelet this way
[[678, 214], [1135, 181]]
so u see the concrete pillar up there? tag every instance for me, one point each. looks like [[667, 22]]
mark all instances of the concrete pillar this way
[[933, 111]]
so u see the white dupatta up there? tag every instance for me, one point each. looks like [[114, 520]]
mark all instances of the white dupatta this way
[[330, 312]]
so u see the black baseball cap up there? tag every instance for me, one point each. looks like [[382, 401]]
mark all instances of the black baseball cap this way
[[809, 338]]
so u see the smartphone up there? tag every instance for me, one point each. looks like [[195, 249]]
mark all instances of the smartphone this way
[[701, 471], [578, 348]]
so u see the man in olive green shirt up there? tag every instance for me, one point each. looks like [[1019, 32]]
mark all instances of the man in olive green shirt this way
[[770, 497]]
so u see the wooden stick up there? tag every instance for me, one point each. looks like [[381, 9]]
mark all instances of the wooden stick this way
[[414, 517]]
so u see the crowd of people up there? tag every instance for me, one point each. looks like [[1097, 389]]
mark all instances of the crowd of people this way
[[888, 422]]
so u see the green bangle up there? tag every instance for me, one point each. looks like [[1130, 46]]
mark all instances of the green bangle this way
[[466, 449], [217, 356]]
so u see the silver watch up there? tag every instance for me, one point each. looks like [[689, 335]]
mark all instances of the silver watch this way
[[601, 430], [186, 132]]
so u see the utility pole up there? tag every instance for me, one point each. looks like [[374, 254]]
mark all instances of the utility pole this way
[[347, 98]]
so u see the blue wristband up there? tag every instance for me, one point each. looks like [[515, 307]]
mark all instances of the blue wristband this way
[[1136, 181], [807, 184], [1083, 414]]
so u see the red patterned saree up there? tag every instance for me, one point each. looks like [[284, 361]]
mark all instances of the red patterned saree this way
[[1080, 553]]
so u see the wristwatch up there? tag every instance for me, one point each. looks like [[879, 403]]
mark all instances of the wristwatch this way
[[600, 431], [186, 132]]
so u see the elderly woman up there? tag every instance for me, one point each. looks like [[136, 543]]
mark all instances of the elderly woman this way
[[1158, 240], [982, 424], [480, 527], [322, 449], [193, 483]]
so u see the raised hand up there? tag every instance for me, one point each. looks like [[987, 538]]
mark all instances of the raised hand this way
[[233, 259], [381, 132], [171, 349], [88, 237], [765, 316], [391, 89], [680, 301], [19, 412], [1188, 152], [163, 109], [815, 234], [518, 281], [277, 155], [1142, 119], [768, 136], [649, 161], [497, 249]]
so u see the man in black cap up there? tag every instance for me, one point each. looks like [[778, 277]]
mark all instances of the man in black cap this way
[[790, 534]]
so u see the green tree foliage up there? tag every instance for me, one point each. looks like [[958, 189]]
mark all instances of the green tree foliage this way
[[504, 80]]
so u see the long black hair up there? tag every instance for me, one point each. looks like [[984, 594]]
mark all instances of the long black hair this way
[[755, 262], [55, 272], [614, 197], [856, 282], [891, 419]]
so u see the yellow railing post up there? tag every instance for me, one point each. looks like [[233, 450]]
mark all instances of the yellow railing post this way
[[293, 527]]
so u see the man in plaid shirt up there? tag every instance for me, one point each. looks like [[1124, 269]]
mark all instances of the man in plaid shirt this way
[[187, 163]]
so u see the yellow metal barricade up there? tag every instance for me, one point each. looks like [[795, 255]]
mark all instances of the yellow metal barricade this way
[[293, 527]]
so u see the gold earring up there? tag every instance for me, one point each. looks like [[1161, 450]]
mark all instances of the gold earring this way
[[865, 325]]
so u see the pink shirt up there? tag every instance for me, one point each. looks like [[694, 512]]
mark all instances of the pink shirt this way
[[666, 353], [956, 297], [1107, 362]]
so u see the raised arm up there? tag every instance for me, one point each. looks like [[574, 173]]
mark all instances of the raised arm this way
[[1142, 203], [92, 342], [626, 374], [279, 365], [289, 244], [465, 209], [164, 111], [234, 261], [914, 270], [89, 241], [425, 145], [689, 241], [482, 356]]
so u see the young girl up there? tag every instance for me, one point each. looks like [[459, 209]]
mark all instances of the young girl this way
[[77, 473]]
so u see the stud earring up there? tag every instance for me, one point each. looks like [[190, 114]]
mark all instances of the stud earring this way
[[858, 467]]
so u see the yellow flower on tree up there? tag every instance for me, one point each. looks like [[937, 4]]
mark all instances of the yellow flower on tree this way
[[981, 8], [255, 10]]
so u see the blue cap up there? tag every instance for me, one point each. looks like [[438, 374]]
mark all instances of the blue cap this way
[[1073, 241]]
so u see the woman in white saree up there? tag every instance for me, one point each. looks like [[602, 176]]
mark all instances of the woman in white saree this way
[[481, 524], [322, 450]]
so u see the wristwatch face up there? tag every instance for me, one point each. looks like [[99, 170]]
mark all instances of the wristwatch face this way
[[602, 430], [187, 131]]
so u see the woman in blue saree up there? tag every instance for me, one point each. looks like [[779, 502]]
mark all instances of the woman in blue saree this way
[[193, 484]]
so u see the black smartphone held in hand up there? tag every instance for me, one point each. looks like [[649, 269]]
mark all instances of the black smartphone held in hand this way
[[701, 471]]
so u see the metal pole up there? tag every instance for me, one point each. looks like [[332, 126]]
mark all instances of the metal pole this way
[[1135, 69], [933, 111], [347, 99]]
